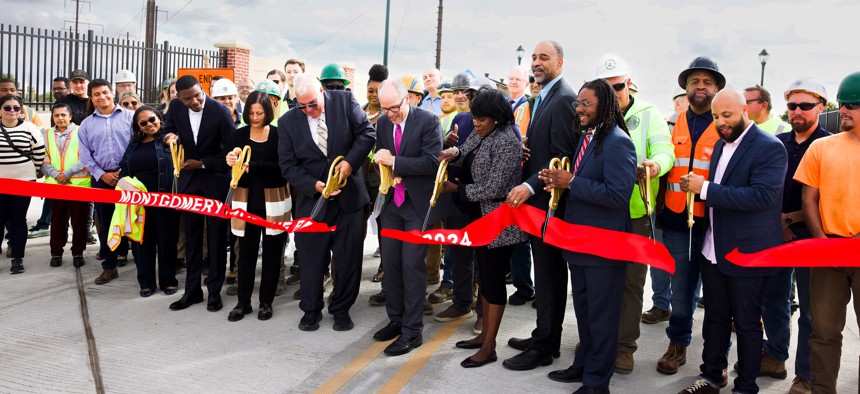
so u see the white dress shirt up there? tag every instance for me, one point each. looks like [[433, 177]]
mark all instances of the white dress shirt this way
[[312, 123], [708, 249], [195, 118]]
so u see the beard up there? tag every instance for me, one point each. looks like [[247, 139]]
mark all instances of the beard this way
[[737, 130], [704, 102], [800, 125]]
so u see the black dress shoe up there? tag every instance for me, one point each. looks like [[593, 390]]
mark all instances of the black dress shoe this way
[[310, 321], [56, 261], [469, 363], [187, 300], [214, 304], [467, 345], [569, 375], [239, 311], [170, 291], [404, 345], [146, 293], [342, 322], [527, 360], [265, 312], [78, 261], [520, 344], [389, 332], [589, 390]]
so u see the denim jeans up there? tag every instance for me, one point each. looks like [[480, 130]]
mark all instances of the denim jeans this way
[[776, 314], [447, 270], [44, 220], [661, 286], [685, 283], [521, 268], [804, 325]]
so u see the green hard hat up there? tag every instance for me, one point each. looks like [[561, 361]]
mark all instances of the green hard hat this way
[[269, 87], [849, 89], [334, 71]]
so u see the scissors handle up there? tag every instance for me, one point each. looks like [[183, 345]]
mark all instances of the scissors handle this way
[[441, 177], [386, 178], [333, 183], [177, 154], [238, 169], [555, 193]]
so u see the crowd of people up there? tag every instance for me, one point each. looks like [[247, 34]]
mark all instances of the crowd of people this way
[[757, 182]]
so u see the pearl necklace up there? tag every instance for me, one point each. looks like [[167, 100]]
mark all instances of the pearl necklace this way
[[371, 117]]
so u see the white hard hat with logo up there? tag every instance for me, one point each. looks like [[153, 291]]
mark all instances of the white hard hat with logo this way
[[224, 87], [611, 65], [124, 76], [807, 85]]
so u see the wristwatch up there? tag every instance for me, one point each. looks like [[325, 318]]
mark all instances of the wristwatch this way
[[202, 166], [788, 220]]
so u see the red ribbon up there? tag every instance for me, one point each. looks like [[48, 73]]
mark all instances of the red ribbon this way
[[183, 202], [615, 245], [817, 252]]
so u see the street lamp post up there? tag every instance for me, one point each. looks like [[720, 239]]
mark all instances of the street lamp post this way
[[762, 57], [520, 53]]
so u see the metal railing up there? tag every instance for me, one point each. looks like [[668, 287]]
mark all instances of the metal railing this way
[[35, 56]]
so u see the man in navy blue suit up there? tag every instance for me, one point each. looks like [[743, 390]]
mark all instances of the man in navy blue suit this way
[[201, 125], [743, 196]]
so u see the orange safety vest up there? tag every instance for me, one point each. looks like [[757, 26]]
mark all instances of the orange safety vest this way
[[676, 200]]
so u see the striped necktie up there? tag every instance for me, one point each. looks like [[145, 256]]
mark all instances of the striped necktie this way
[[582, 150], [322, 132]]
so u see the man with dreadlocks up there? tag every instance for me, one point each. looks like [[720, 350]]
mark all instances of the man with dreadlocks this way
[[601, 184]]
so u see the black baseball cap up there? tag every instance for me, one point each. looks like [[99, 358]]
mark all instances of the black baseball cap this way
[[79, 74]]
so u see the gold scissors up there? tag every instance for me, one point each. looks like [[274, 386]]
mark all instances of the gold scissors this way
[[555, 193], [645, 192], [330, 186], [243, 157], [441, 178]]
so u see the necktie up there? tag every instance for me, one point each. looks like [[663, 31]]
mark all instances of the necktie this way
[[400, 189], [534, 108], [322, 131], [582, 150]]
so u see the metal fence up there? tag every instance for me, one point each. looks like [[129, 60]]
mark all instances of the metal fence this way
[[830, 120], [34, 57]]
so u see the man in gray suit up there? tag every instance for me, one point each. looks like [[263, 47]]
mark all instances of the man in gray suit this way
[[409, 142]]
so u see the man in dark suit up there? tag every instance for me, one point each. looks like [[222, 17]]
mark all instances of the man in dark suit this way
[[410, 143], [201, 125], [321, 127], [549, 135], [743, 196]]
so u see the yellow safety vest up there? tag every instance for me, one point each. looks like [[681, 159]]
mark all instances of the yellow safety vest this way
[[65, 157], [128, 219]]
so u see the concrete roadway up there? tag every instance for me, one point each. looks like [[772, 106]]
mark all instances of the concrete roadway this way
[[144, 347]]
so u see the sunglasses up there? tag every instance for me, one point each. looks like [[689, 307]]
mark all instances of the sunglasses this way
[[802, 106], [333, 86], [9, 108], [850, 106], [619, 86], [143, 123], [129, 103], [312, 104], [750, 101]]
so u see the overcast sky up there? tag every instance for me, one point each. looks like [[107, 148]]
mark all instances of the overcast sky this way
[[657, 38]]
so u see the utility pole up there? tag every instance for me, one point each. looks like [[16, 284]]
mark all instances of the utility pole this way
[[148, 72], [439, 38], [387, 17]]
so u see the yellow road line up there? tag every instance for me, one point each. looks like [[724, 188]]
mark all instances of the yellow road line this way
[[353, 368], [405, 374]]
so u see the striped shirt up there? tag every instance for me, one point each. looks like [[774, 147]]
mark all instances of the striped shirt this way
[[26, 138]]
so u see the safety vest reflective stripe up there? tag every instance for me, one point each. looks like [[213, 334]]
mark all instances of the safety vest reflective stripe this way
[[781, 128], [676, 200], [644, 122]]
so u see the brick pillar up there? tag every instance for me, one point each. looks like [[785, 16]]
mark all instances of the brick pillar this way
[[349, 70], [238, 56]]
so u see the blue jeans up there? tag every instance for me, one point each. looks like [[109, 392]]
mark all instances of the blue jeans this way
[[804, 325], [776, 313], [661, 285], [447, 270], [521, 268], [685, 285], [44, 220]]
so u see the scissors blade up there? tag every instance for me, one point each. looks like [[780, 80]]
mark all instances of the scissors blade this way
[[549, 213], [690, 246], [377, 206], [653, 231], [317, 207], [229, 200], [426, 219]]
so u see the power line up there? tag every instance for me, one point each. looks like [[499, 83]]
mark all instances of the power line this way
[[342, 27], [399, 28], [169, 17], [129, 22]]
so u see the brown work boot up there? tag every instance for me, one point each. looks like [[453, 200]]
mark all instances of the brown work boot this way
[[674, 358], [428, 308], [654, 316], [769, 367], [106, 276], [800, 386], [624, 362], [378, 299], [441, 295]]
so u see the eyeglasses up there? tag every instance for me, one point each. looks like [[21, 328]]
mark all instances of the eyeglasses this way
[[850, 106], [10, 108], [583, 104], [129, 103], [393, 110], [333, 86], [802, 106], [143, 123], [312, 104], [460, 91], [619, 86], [750, 101]]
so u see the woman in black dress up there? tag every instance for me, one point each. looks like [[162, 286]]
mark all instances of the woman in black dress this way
[[262, 191], [148, 159]]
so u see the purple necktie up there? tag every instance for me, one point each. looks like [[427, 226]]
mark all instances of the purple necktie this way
[[400, 189]]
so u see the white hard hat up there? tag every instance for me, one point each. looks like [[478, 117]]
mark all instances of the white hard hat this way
[[124, 76], [679, 92], [611, 65], [807, 85], [224, 87]]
